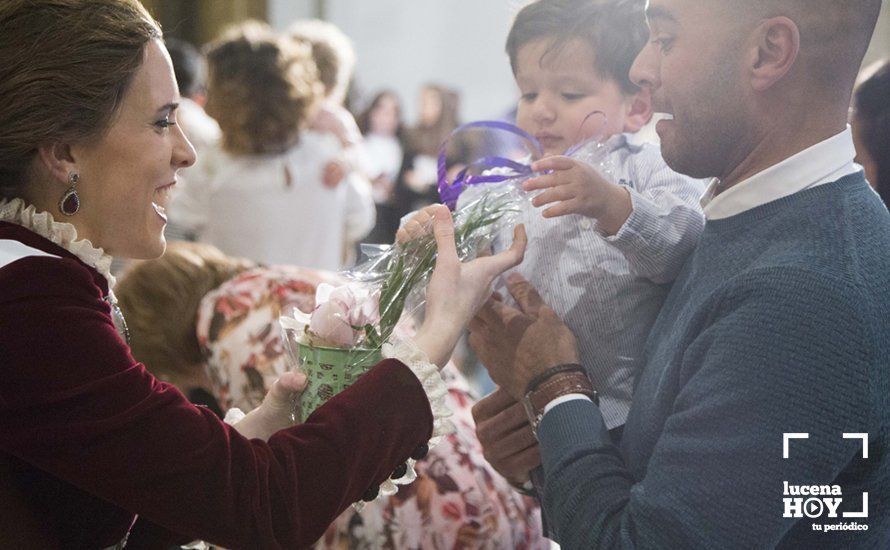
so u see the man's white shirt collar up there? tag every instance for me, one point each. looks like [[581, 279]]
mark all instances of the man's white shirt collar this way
[[825, 162]]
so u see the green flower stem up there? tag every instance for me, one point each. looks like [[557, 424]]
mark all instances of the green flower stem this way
[[411, 263]]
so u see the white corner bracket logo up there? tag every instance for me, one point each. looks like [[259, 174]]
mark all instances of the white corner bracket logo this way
[[787, 437], [816, 501]]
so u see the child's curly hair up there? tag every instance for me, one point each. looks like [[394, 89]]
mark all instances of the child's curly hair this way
[[262, 89]]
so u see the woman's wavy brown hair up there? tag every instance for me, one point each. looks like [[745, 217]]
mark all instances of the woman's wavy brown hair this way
[[160, 300], [261, 88], [65, 66]]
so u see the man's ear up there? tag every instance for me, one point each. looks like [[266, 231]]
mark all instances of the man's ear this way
[[776, 48], [638, 111], [58, 161]]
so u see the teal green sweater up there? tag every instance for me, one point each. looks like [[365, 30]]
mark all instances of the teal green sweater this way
[[779, 322]]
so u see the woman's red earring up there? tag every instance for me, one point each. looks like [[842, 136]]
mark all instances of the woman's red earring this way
[[70, 203]]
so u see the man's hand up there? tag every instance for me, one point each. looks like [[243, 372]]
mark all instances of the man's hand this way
[[275, 411], [515, 345], [578, 188], [506, 436]]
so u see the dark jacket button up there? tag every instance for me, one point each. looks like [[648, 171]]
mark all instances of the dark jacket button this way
[[420, 451], [371, 493], [400, 471]]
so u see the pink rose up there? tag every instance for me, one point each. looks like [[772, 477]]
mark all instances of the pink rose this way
[[339, 309], [330, 322], [366, 310]]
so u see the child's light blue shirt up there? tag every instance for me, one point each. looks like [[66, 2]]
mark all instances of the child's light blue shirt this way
[[609, 290]]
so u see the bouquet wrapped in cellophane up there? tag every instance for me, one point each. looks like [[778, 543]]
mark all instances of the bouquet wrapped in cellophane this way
[[346, 334]]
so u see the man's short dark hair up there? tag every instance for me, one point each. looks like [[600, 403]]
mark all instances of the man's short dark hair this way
[[188, 65], [615, 30]]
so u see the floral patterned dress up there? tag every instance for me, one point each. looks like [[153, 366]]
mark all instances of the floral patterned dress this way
[[458, 501]]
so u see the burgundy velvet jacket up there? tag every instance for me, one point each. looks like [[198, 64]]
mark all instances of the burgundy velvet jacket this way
[[89, 439]]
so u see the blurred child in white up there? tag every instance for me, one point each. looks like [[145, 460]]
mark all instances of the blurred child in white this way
[[264, 194]]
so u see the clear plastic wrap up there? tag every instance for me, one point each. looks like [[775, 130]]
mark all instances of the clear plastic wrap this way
[[344, 336]]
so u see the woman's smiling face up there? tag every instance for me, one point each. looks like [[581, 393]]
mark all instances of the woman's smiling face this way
[[127, 175]]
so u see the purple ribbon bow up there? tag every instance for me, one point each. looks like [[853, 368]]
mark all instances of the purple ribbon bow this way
[[450, 191]]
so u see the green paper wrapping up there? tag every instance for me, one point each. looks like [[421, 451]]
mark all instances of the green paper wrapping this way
[[330, 371]]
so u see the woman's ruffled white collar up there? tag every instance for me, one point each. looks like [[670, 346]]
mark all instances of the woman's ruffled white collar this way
[[63, 234]]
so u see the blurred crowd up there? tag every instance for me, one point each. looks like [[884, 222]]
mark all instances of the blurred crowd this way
[[288, 171]]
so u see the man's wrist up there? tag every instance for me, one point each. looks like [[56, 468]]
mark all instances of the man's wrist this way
[[559, 381], [565, 399]]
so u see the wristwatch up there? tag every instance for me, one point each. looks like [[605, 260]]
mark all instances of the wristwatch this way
[[552, 384]]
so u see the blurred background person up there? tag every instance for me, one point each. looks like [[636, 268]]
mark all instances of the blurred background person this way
[[439, 115], [263, 196], [335, 59], [871, 126], [382, 128], [205, 321], [190, 69]]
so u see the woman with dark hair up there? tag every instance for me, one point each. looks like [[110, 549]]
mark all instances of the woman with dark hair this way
[[89, 153], [439, 115], [381, 125], [871, 127]]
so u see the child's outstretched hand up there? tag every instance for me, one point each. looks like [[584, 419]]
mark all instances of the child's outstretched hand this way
[[577, 188]]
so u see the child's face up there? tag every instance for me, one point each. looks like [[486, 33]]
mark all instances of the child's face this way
[[560, 92]]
